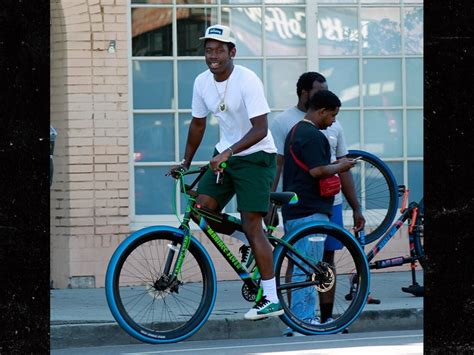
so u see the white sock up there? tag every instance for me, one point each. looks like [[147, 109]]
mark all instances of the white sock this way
[[240, 236], [270, 290]]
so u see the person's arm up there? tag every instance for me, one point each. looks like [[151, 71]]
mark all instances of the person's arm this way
[[195, 135], [340, 166], [258, 131], [348, 189]]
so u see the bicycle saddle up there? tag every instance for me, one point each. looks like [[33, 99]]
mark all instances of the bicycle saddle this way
[[282, 198]]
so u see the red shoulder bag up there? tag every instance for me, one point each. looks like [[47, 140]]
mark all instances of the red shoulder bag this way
[[329, 186]]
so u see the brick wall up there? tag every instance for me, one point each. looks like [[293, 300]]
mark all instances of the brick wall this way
[[89, 109]]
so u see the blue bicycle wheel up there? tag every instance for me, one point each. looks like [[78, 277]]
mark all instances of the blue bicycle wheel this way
[[303, 280], [377, 193], [146, 300]]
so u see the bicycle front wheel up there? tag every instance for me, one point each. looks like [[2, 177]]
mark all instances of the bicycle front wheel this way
[[146, 299], [302, 287], [377, 193]]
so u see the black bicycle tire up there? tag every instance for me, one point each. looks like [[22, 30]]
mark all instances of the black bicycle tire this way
[[392, 189], [197, 320], [363, 273], [417, 237]]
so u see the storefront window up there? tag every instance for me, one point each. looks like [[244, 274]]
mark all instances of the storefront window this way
[[370, 51]]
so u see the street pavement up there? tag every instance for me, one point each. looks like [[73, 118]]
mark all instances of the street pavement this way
[[81, 317]]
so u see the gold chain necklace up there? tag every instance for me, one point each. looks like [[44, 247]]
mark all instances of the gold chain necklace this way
[[222, 105]]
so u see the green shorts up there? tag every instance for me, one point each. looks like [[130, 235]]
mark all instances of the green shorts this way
[[249, 177]]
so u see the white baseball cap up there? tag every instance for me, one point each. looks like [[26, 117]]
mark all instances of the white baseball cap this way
[[219, 33]]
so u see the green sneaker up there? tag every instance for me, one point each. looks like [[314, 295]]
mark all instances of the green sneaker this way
[[263, 309]]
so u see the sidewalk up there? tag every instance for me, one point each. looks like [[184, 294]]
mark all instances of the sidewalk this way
[[81, 317]]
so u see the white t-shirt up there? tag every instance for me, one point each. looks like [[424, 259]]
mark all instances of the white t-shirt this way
[[282, 124], [244, 99]]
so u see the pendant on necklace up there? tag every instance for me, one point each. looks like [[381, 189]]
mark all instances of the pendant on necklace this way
[[222, 107]]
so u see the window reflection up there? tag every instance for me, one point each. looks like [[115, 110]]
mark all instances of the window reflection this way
[[151, 32], [285, 32], [152, 84], [210, 139], [192, 24], [153, 191], [380, 1], [382, 82], [286, 2], [153, 137], [152, 1], [414, 79], [413, 17], [337, 1], [350, 122], [188, 70], [415, 132], [384, 133], [196, 1], [254, 65], [282, 76], [397, 170], [380, 30], [338, 32], [343, 79], [246, 23], [415, 180]]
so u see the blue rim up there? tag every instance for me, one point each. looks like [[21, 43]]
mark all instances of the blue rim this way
[[328, 225], [393, 185], [109, 283]]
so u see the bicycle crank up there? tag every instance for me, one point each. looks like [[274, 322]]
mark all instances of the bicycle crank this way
[[249, 294]]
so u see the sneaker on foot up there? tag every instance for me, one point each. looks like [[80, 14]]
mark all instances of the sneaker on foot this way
[[263, 309], [247, 260]]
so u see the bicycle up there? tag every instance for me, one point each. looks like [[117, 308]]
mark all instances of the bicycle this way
[[414, 215], [161, 283], [377, 192]]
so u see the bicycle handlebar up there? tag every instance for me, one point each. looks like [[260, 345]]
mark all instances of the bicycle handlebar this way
[[201, 170]]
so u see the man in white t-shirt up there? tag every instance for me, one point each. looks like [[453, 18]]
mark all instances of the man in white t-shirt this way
[[235, 95], [308, 84]]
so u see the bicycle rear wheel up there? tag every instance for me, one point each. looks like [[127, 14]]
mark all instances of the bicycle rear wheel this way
[[299, 291], [418, 233], [377, 192], [147, 302]]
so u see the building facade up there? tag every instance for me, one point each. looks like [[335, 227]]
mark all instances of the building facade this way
[[121, 84]]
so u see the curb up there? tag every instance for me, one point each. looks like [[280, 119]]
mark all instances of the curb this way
[[70, 335]]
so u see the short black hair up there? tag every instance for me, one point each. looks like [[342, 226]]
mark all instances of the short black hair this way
[[324, 99], [306, 80], [230, 45]]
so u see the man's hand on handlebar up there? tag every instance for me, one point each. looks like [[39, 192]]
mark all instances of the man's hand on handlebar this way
[[217, 163], [177, 170]]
